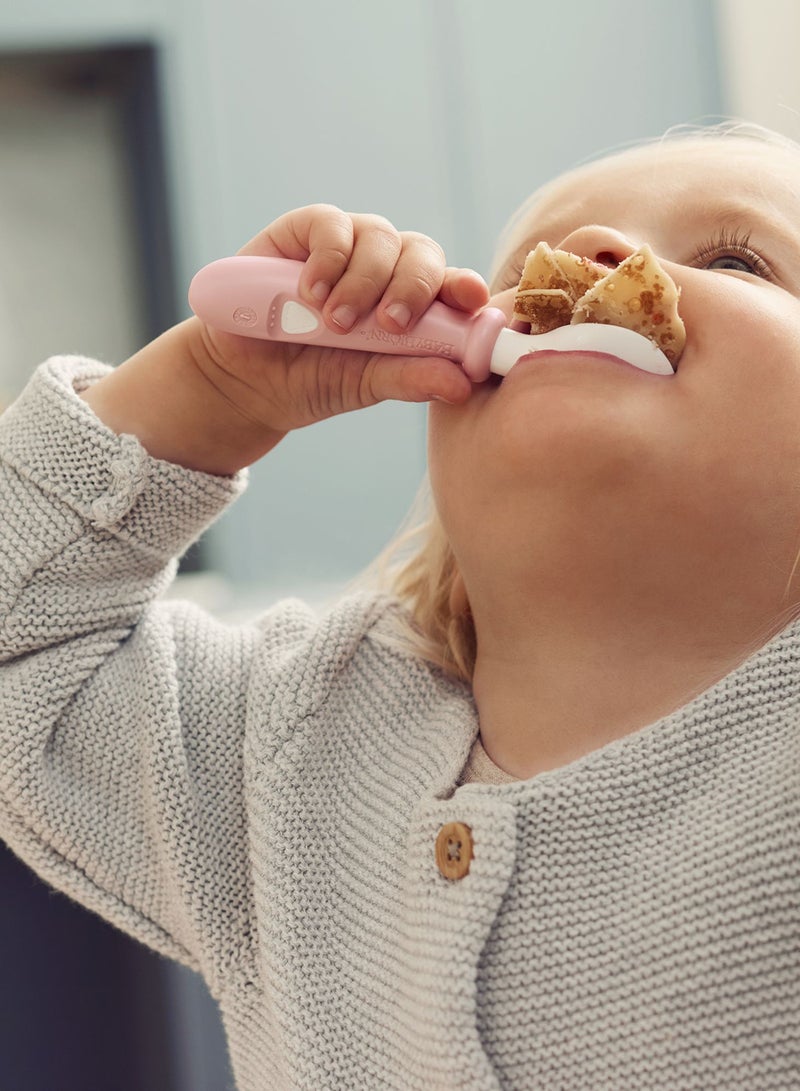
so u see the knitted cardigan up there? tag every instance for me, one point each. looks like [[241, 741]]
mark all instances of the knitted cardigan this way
[[262, 802]]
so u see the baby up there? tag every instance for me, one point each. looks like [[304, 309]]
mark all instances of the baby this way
[[528, 816]]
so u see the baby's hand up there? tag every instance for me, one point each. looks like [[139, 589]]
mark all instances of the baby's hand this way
[[354, 263], [216, 401], [357, 262]]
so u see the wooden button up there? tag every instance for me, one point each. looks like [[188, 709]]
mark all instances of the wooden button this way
[[454, 850]]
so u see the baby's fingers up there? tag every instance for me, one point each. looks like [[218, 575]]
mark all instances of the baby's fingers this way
[[376, 248], [322, 236], [464, 289], [415, 282], [420, 278]]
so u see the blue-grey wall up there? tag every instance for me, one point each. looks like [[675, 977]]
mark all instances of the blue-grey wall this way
[[441, 114]]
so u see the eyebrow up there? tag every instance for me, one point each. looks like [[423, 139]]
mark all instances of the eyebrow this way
[[736, 211]]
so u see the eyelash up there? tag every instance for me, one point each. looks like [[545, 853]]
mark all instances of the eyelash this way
[[734, 245]]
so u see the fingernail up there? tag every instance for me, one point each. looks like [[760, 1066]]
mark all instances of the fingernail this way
[[321, 290], [400, 313], [344, 316]]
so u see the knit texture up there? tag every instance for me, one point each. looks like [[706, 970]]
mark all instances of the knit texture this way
[[262, 802]]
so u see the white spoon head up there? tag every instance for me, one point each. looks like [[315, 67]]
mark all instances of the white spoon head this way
[[633, 348]]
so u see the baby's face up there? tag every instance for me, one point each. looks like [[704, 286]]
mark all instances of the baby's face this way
[[671, 476]]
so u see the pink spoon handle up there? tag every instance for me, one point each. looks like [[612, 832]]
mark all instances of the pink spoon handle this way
[[258, 297]]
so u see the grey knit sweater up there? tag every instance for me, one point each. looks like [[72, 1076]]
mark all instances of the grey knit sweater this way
[[262, 803]]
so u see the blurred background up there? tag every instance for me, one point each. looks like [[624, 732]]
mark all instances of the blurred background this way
[[140, 139]]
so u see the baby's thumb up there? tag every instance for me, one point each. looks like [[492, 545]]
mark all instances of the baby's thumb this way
[[416, 379]]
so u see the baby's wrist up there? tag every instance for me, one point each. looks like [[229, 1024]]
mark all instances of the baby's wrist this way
[[169, 400]]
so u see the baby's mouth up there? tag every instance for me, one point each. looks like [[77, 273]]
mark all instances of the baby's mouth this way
[[560, 291]]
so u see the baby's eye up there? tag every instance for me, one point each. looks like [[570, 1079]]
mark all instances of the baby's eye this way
[[731, 261], [731, 252]]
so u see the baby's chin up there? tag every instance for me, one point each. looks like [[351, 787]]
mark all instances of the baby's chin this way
[[571, 425], [562, 435]]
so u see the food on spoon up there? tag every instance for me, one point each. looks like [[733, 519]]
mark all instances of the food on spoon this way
[[552, 269], [552, 281], [545, 308], [558, 289]]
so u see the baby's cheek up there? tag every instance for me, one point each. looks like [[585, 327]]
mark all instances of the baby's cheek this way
[[742, 394], [731, 315]]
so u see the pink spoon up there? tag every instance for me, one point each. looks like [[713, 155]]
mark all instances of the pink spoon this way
[[258, 297]]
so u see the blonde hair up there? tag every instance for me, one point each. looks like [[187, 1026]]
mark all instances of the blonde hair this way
[[419, 567]]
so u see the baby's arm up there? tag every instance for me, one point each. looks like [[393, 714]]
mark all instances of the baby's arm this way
[[107, 755], [123, 718]]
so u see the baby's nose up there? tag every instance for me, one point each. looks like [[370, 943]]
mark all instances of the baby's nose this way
[[604, 245]]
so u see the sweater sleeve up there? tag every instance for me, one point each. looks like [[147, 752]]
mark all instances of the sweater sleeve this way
[[122, 717]]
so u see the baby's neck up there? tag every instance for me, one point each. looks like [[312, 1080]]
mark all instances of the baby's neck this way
[[549, 697]]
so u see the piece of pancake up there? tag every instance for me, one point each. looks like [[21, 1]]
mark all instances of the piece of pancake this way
[[545, 308], [559, 269], [558, 289], [641, 296], [552, 281]]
